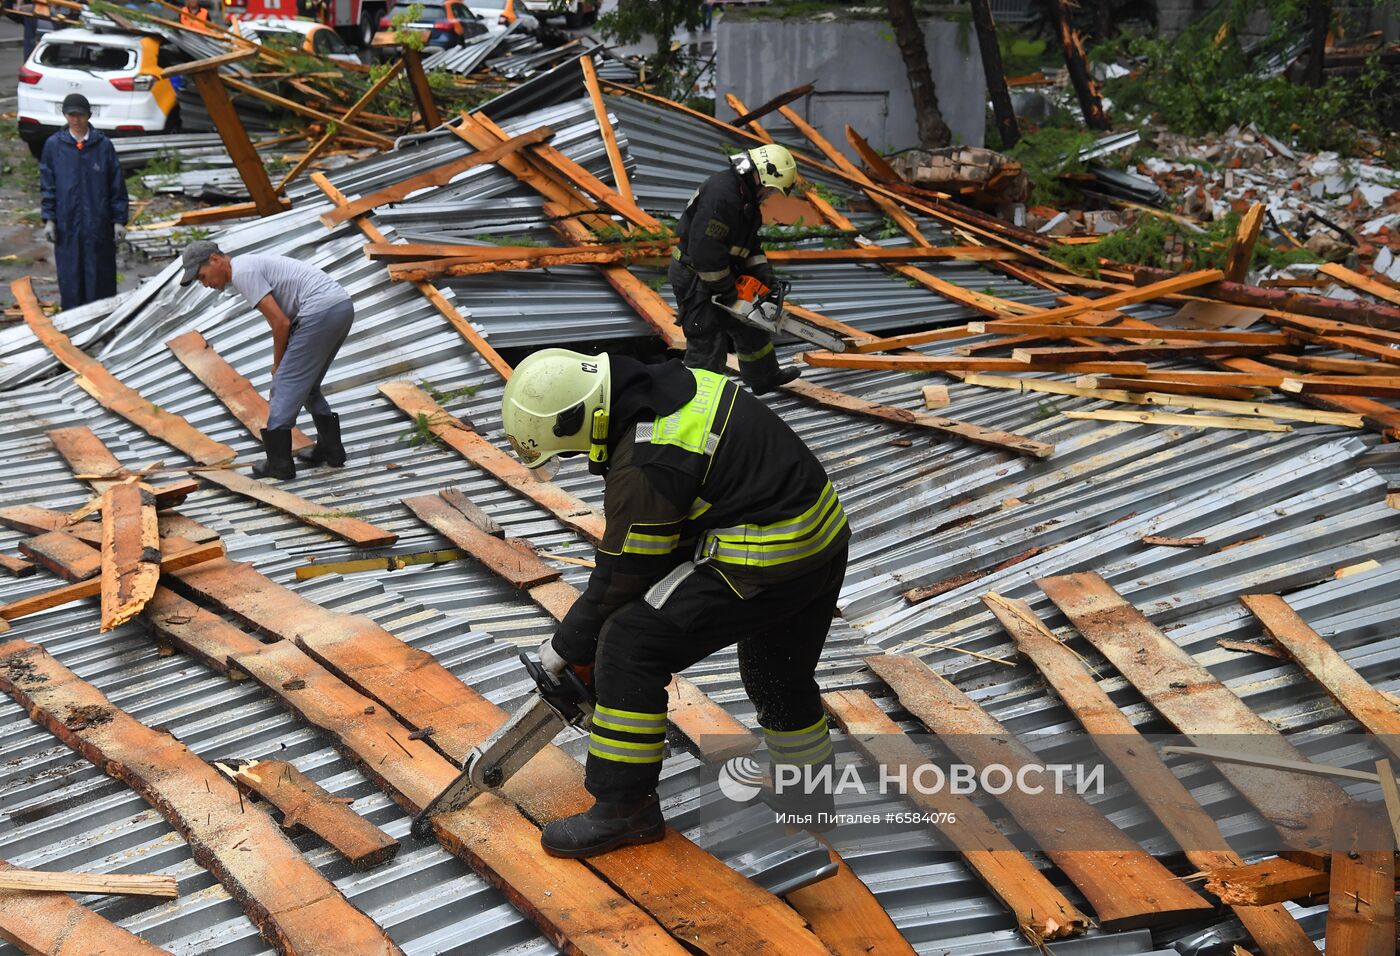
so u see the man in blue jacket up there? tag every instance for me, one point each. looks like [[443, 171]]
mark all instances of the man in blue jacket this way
[[84, 205]]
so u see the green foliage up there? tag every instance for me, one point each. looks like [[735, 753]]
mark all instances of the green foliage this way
[[422, 434], [632, 20], [1204, 81], [1021, 55], [1047, 153], [399, 21], [833, 199], [1145, 243], [443, 398]]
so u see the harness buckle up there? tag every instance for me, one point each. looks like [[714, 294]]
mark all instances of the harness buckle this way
[[705, 550]]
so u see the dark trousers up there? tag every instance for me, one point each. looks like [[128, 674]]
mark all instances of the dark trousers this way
[[710, 333], [314, 341], [780, 633]]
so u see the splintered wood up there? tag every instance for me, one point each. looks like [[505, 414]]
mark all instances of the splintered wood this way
[[296, 909], [1125, 886], [53, 924], [131, 555]]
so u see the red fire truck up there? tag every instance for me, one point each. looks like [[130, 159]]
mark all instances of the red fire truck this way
[[356, 20]]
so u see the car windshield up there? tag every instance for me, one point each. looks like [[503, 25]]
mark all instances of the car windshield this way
[[86, 56], [328, 41], [427, 11], [487, 4]]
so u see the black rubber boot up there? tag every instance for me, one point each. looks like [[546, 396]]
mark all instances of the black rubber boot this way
[[605, 826], [328, 450], [277, 446]]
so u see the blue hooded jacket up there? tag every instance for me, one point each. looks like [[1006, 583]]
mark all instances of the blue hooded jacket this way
[[84, 195]]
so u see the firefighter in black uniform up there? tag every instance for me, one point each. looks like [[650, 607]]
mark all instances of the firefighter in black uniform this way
[[722, 527], [719, 243]]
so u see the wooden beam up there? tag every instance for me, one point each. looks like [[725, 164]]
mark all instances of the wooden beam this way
[[1238, 423], [332, 131], [211, 64], [343, 525], [1139, 385], [575, 911], [131, 559], [571, 511], [422, 90], [517, 564], [1317, 658], [111, 393], [1293, 386], [1390, 796], [86, 454], [167, 496], [383, 142], [1126, 887], [782, 99], [875, 164], [688, 891], [446, 309], [58, 552], [52, 924], [93, 586], [1377, 415], [1241, 253], [296, 909], [1041, 911], [1272, 927], [304, 803], [100, 884], [1356, 280], [1192, 336], [16, 567], [1145, 293], [1266, 883], [605, 129], [236, 140], [1198, 705], [1361, 894], [1383, 316], [1305, 767], [940, 363], [437, 176], [231, 388]]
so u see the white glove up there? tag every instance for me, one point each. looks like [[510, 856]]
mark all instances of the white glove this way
[[50, 231], [550, 658], [119, 232]]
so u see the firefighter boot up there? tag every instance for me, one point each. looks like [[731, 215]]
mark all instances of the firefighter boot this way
[[277, 446], [328, 450], [605, 826], [762, 373]]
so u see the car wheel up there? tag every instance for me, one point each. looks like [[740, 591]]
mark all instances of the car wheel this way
[[173, 122]]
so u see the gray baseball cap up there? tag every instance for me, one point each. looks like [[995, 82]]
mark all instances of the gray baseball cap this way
[[195, 255]]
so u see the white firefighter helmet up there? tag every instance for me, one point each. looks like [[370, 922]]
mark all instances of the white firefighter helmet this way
[[549, 403], [775, 166]]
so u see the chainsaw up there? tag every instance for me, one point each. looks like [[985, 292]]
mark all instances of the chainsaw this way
[[557, 702], [752, 295]]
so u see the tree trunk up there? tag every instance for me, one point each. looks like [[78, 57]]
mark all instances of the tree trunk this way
[[1319, 15], [996, 73], [933, 131], [1084, 86]]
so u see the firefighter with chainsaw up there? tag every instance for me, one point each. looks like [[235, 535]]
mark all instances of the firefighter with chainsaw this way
[[722, 528], [718, 268]]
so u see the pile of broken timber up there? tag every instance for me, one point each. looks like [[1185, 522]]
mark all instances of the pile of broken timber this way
[[1330, 846]]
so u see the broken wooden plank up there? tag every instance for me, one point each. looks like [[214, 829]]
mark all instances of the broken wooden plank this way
[[571, 511], [1070, 331], [295, 908], [584, 917], [1069, 355], [1356, 280], [16, 567], [517, 565], [961, 363], [605, 129], [1241, 254], [437, 176], [342, 524], [1390, 796], [1125, 886], [430, 292], [1040, 910], [92, 587], [1265, 883], [62, 554], [690, 893], [1379, 316], [1352, 692], [167, 496], [111, 394], [304, 803], [86, 454], [131, 554], [100, 884], [1361, 893], [231, 388], [1236, 422], [1159, 540], [1110, 382], [1144, 293], [53, 924], [1305, 767], [1199, 706], [1156, 786], [978, 435]]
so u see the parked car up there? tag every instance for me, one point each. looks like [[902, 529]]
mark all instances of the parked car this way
[[448, 24], [118, 73], [576, 13], [506, 12], [297, 33]]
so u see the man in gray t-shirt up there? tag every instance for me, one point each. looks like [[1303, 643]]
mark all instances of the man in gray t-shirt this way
[[310, 315]]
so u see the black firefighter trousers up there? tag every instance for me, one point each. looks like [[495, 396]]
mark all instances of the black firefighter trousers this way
[[780, 633], [709, 332]]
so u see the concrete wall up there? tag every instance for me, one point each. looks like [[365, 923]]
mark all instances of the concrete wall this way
[[858, 74]]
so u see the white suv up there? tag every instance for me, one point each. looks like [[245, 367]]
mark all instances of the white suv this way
[[118, 73]]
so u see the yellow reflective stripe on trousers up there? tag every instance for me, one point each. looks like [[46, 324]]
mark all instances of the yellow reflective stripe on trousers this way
[[629, 720], [806, 746], [639, 542], [755, 356], [623, 751], [744, 552]]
